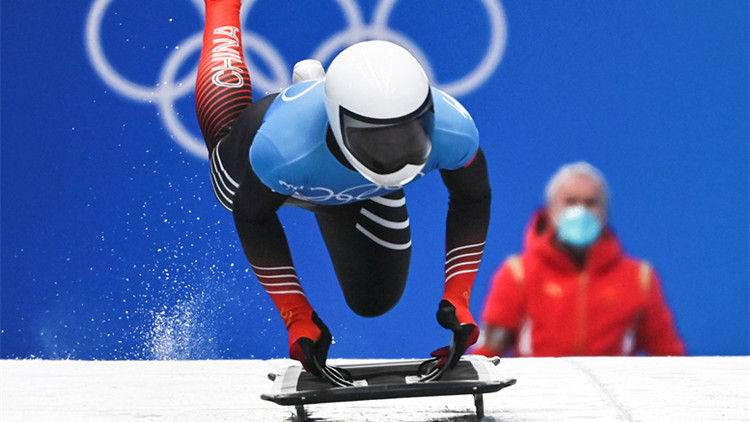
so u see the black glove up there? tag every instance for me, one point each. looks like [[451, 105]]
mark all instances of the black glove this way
[[313, 353], [464, 335]]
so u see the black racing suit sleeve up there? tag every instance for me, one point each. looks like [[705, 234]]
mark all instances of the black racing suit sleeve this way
[[469, 203], [261, 233], [465, 235], [266, 248]]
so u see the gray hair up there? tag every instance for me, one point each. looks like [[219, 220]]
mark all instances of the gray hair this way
[[578, 168]]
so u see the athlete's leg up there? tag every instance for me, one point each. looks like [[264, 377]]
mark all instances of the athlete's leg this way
[[222, 89], [370, 247]]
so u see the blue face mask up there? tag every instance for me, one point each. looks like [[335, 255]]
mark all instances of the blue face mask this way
[[577, 226]]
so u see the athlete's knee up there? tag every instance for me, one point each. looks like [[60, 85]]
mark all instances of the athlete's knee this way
[[371, 307], [373, 298]]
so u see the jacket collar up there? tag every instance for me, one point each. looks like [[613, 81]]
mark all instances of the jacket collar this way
[[540, 241]]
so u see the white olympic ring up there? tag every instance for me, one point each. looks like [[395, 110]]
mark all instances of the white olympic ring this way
[[168, 89]]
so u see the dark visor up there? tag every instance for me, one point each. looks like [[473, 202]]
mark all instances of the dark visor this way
[[387, 145]]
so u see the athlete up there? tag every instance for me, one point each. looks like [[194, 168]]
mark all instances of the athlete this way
[[342, 144]]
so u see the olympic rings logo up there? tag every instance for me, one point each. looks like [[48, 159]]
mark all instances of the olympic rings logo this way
[[169, 89]]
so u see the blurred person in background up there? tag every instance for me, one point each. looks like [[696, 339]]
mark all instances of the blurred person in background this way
[[573, 291]]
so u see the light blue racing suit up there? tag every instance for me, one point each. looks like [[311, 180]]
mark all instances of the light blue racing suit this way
[[281, 151]]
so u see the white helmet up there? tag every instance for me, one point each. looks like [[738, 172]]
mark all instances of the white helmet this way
[[380, 109]]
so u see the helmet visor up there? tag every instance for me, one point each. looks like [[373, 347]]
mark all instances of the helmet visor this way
[[387, 145]]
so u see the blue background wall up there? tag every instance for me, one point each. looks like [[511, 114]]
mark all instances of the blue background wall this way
[[113, 246]]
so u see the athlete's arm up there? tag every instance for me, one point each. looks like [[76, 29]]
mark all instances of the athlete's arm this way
[[466, 231], [266, 248], [466, 228]]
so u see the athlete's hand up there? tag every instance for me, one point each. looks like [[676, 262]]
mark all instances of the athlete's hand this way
[[465, 333], [309, 341]]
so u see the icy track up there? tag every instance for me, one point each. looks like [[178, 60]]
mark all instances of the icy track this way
[[565, 389]]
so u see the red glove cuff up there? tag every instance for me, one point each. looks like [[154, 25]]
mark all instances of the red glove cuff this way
[[299, 323], [458, 293]]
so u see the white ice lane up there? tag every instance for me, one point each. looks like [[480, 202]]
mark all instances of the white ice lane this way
[[565, 389]]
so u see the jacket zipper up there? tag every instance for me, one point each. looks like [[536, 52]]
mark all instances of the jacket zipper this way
[[583, 283]]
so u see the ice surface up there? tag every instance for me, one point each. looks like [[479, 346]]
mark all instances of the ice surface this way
[[564, 389]]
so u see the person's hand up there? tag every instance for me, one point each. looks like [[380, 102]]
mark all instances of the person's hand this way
[[465, 333], [309, 340]]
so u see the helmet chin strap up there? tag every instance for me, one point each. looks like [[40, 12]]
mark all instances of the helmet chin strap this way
[[397, 179]]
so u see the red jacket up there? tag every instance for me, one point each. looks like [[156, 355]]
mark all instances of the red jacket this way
[[614, 305]]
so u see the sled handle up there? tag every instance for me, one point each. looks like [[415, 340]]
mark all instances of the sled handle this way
[[335, 375], [434, 373]]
